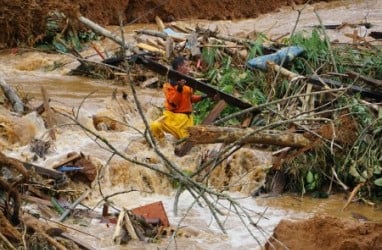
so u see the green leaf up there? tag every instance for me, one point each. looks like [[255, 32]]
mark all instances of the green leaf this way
[[378, 182], [309, 177]]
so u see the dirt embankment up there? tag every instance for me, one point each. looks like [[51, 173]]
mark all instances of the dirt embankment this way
[[325, 232], [24, 22]]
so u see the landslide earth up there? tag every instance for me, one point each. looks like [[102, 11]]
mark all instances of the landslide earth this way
[[24, 22]]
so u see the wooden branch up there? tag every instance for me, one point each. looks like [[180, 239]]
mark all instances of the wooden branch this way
[[119, 234], [374, 82], [73, 205], [129, 227], [49, 115], [289, 74], [10, 93], [97, 28], [352, 194], [203, 134]]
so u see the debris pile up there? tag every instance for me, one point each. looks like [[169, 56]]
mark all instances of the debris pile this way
[[312, 104]]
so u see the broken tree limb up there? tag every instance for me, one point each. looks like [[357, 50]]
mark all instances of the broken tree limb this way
[[9, 92], [374, 82], [324, 82], [204, 134], [97, 28], [353, 89], [73, 205]]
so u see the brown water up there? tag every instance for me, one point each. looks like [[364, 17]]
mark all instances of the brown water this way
[[32, 70]]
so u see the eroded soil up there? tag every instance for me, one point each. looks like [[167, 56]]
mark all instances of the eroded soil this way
[[326, 232], [24, 22]]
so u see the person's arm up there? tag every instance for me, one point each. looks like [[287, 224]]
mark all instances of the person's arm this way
[[173, 95]]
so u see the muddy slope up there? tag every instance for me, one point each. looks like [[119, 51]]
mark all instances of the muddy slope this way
[[325, 232], [23, 22]]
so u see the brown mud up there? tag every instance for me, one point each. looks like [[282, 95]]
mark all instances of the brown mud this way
[[326, 232], [24, 22]]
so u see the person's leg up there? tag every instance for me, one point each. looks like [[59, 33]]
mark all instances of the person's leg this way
[[156, 128], [176, 124]]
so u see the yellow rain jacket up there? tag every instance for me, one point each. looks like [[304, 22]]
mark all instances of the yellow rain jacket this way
[[178, 112]]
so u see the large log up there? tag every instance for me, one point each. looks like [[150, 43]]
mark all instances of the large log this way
[[97, 28], [204, 134]]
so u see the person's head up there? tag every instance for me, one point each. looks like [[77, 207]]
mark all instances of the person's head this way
[[180, 64]]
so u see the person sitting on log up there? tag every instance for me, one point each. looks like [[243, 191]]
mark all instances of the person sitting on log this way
[[177, 116]]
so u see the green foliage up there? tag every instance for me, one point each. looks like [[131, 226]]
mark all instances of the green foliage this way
[[316, 51], [311, 171]]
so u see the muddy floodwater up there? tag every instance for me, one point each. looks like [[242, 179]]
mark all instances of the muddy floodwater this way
[[30, 70]]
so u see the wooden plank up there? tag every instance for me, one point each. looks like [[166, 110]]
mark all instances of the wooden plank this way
[[192, 82], [184, 148], [74, 157], [78, 241], [45, 172]]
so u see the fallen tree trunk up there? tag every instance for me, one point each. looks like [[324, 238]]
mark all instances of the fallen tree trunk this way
[[17, 104], [204, 134]]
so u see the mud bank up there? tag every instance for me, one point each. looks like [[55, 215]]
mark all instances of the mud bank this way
[[326, 232], [25, 22]]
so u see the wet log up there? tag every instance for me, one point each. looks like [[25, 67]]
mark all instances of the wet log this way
[[97, 28], [10, 93], [204, 134], [184, 148]]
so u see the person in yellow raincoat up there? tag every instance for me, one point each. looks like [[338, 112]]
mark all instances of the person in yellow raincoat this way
[[177, 115]]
